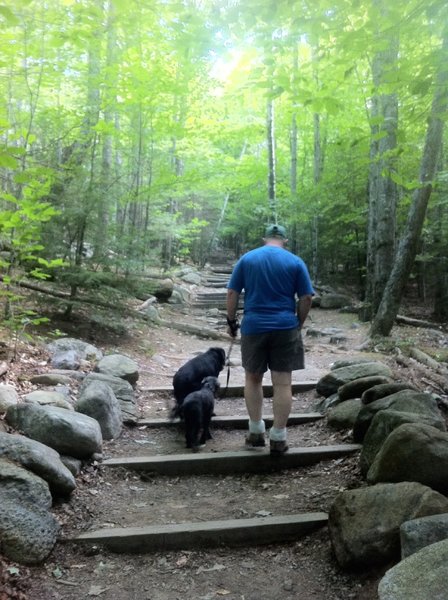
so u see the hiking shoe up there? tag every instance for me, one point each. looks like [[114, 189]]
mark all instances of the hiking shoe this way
[[278, 448], [256, 440]]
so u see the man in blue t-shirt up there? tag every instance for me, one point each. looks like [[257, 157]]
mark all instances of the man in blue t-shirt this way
[[272, 279]]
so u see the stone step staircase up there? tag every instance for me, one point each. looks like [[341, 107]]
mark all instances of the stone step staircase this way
[[230, 532]]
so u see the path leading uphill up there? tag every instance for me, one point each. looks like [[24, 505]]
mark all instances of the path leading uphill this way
[[226, 522], [176, 503]]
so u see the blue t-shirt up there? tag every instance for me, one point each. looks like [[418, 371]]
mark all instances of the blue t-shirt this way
[[272, 278]]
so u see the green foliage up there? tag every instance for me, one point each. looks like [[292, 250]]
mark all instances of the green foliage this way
[[18, 320], [131, 130]]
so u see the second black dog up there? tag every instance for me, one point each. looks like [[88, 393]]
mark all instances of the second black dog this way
[[190, 375], [197, 411]]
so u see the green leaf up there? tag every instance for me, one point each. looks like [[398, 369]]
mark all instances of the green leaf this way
[[8, 15], [7, 161]]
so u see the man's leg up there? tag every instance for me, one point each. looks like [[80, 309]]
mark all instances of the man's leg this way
[[281, 404], [253, 395], [282, 400]]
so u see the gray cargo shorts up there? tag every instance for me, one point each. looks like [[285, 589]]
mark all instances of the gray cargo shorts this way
[[280, 350]]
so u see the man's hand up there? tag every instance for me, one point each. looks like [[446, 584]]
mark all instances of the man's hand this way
[[232, 327]]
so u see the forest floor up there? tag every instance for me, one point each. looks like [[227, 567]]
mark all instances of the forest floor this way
[[304, 569]]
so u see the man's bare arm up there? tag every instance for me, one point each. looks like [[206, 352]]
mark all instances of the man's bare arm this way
[[232, 303], [303, 308]]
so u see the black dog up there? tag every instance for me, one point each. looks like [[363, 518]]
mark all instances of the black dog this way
[[189, 377], [197, 410]]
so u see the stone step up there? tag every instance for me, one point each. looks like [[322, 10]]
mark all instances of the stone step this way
[[183, 536], [257, 460], [237, 391], [222, 270], [235, 422]]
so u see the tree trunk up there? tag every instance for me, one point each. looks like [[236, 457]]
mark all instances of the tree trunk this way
[[109, 101], [294, 131], [272, 199], [407, 249], [318, 164], [382, 189], [440, 267], [88, 138]]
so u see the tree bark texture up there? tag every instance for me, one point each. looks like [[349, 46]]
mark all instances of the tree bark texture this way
[[272, 199], [407, 249], [382, 189]]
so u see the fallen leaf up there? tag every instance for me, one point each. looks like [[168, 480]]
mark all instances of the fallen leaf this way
[[216, 567], [223, 592], [57, 573], [96, 590], [182, 561], [263, 513], [281, 496]]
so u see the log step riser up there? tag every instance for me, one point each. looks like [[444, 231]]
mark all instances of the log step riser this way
[[225, 463], [234, 532], [234, 422]]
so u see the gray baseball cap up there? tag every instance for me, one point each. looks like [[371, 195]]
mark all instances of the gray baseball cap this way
[[273, 231]]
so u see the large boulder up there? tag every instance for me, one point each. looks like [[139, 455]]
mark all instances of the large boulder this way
[[413, 452], [51, 379], [405, 401], [48, 398], [123, 391], [364, 524], [117, 365], [324, 404], [334, 300], [40, 459], [382, 425], [84, 350], [8, 397], [355, 388], [66, 431], [422, 576], [350, 362], [180, 295], [344, 414], [332, 381], [99, 402], [419, 533], [17, 481], [28, 531], [72, 375], [68, 359], [382, 390]]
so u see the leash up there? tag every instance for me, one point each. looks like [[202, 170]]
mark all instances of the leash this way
[[229, 351]]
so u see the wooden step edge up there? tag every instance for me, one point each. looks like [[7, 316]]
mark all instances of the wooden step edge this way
[[234, 422], [182, 536], [238, 390], [257, 460]]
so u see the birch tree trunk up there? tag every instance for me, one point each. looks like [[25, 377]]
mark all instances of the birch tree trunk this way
[[407, 249]]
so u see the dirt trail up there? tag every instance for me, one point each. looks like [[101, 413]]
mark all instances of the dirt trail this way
[[104, 497]]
